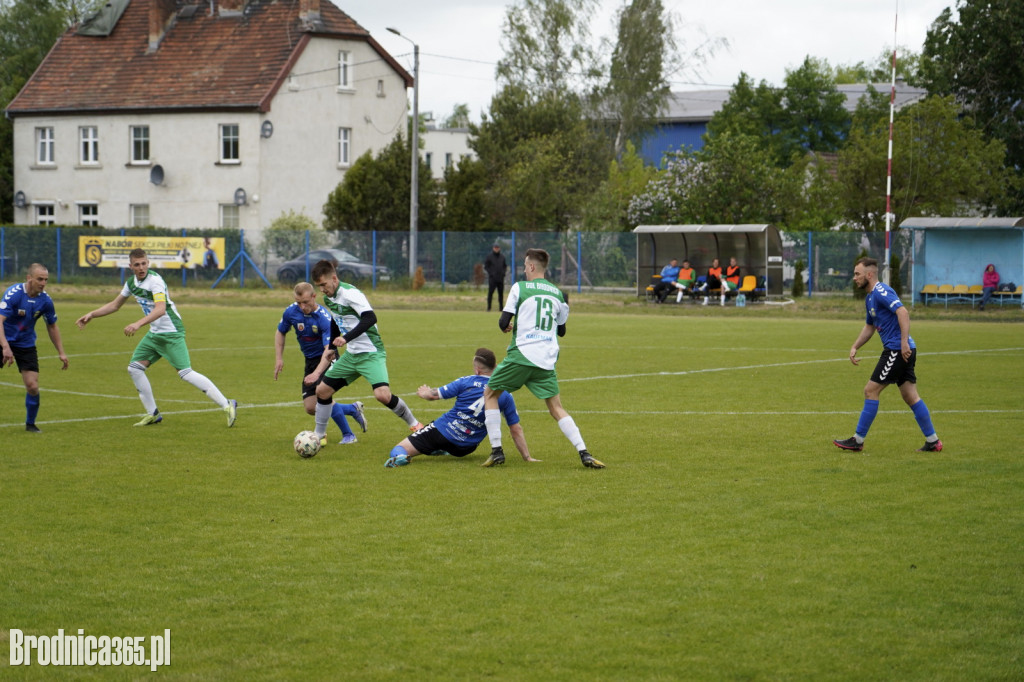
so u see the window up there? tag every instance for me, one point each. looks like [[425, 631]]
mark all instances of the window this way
[[44, 214], [228, 215], [139, 215], [344, 146], [447, 161], [44, 146], [139, 144], [89, 149], [344, 70], [229, 143], [89, 215], [380, 87], [429, 158]]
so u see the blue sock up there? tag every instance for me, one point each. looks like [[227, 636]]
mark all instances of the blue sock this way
[[31, 408], [338, 415], [349, 409], [924, 418], [397, 450], [867, 415]]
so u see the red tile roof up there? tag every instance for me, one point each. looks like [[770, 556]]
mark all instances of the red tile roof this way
[[213, 62]]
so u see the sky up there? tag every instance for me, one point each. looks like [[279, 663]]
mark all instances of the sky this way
[[460, 40]]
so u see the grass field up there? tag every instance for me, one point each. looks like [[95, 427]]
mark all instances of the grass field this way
[[727, 539]]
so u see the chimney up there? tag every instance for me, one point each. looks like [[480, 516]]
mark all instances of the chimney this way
[[231, 6], [309, 10], [160, 14]]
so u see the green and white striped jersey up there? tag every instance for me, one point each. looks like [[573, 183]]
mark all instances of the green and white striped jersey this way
[[539, 308], [148, 292], [345, 306]]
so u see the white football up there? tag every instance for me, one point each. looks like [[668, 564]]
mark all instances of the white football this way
[[307, 444]]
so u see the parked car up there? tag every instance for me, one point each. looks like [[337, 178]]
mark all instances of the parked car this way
[[349, 267]]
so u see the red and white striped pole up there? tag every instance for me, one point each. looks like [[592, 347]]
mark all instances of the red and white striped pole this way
[[888, 180]]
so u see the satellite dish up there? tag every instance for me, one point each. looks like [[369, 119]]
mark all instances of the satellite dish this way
[[240, 198], [19, 199], [156, 174], [267, 129]]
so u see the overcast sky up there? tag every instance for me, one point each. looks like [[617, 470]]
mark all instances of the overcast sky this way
[[460, 40]]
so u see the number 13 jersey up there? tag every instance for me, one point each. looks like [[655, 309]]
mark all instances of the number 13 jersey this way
[[539, 309]]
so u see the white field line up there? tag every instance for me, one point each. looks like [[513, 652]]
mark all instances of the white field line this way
[[369, 399]]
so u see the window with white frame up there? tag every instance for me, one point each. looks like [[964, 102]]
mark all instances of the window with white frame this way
[[345, 70], [139, 144], [139, 215], [229, 143], [89, 215], [89, 145], [229, 215], [44, 214], [344, 146], [44, 147]]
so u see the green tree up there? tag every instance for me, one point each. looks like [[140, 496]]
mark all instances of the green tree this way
[[816, 118], [642, 58], [753, 111], [977, 58], [608, 207], [374, 195], [942, 165], [545, 44], [459, 117], [465, 206], [908, 69], [286, 236]]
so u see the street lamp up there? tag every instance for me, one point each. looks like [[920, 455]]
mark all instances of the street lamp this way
[[414, 192]]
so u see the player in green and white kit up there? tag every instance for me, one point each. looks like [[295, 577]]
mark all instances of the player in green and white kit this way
[[354, 327], [540, 313], [165, 338]]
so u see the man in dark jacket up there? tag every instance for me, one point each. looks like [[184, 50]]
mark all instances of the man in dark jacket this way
[[496, 268]]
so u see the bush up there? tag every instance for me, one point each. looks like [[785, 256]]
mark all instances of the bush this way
[[895, 280], [858, 293], [798, 279]]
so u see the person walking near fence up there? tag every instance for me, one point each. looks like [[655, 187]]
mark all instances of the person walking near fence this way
[[887, 315], [496, 267], [20, 307], [165, 338]]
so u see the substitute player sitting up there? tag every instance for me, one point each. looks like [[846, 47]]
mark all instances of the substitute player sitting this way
[[459, 430], [312, 327]]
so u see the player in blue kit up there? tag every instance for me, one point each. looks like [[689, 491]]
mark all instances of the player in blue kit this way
[[459, 430], [886, 314], [20, 307], [312, 327]]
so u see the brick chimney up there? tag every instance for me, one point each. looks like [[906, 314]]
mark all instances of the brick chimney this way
[[309, 10], [161, 12]]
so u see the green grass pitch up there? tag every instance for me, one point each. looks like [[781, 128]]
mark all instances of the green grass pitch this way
[[727, 539]]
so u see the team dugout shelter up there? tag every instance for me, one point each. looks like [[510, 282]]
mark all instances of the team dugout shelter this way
[[756, 248], [956, 250]]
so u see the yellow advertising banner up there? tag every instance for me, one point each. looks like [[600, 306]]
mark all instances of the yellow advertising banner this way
[[163, 252]]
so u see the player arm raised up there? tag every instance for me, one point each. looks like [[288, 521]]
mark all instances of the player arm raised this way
[[279, 340], [54, 332], [102, 311], [862, 338]]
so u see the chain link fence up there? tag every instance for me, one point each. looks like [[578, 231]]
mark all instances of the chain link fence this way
[[579, 260]]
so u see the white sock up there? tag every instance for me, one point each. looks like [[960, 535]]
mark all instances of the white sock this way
[[138, 374], [204, 385], [322, 416], [568, 427], [402, 410], [492, 418]]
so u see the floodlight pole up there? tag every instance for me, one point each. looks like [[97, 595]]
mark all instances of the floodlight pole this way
[[414, 191], [886, 275]]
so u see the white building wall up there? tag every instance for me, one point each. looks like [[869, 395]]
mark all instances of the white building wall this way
[[444, 143], [296, 168]]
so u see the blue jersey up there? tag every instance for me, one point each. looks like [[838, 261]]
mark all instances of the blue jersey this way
[[464, 423], [882, 304], [313, 331], [21, 312]]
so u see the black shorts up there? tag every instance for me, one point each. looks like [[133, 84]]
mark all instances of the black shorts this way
[[429, 439], [310, 389], [26, 359], [893, 369]]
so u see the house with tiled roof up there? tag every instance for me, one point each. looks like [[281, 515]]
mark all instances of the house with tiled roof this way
[[201, 113]]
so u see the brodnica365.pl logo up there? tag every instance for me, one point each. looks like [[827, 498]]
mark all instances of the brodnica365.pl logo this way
[[89, 650]]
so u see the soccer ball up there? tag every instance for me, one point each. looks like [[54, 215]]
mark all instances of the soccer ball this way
[[307, 444]]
